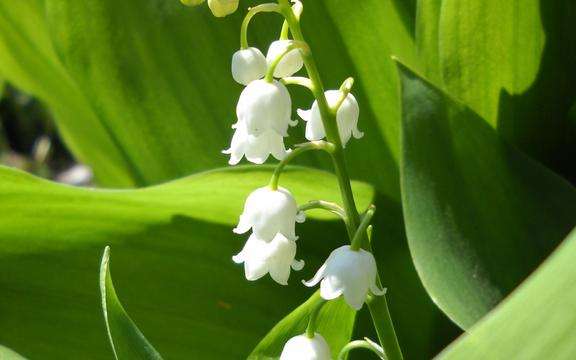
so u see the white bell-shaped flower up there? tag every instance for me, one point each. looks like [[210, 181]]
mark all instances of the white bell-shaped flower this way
[[221, 8], [248, 65], [346, 117], [350, 273], [302, 347], [255, 148], [265, 106], [276, 257], [269, 212], [290, 64]]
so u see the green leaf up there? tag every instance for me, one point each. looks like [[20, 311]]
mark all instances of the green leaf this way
[[427, 38], [172, 247], [511, 62], [126, 339], [335, 323], [480, 216], [7, 354], [536, 321], [28, 61]]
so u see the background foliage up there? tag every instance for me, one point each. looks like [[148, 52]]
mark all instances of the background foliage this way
[[476, 131]]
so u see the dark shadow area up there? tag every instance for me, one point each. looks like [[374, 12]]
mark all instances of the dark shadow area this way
[[181, 289], [537, 120], [422, 329]]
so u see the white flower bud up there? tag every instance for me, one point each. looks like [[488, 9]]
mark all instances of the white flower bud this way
[[248, 65], [276, 257], [291, 62], [346, 117], [349, 273], [255, 148], [302, 347], [269, 212], [265, 106], [221, 8]]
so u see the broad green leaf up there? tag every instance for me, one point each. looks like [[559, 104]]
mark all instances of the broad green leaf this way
[[512, 63], [126, 339], [28, 61], [172, 261], [7, 354], [333, 315], [480, 216], [536, 321], [159, 75]]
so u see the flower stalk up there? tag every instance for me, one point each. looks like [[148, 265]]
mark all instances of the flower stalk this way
[[377, 305]]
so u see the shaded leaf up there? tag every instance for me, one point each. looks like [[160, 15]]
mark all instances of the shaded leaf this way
[[536, 321], [7, 354], [126, 339], [172, 247], [480, 216]]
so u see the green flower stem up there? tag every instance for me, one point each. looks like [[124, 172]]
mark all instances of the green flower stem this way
[[284, 31], [345, 89], [302, 148], [359, 344], [298, 80], [325, 205], [360, 234], [328, 206], [384, 327], [380, 313], [270, 7], [312, 320], [294, 44]]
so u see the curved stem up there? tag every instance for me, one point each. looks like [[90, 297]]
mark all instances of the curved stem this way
[[324, 205], [298, 80], [360, 234], [345, 89], [312, 320], [284, 31], [313, 145], [270, 7], [294, 44], [359, 344]]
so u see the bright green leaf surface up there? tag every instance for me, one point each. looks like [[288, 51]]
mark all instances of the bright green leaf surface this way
[[480, 216], [28, 61], [537, 321], [126, 339], [513, 63], [172, 258], [158, 74]]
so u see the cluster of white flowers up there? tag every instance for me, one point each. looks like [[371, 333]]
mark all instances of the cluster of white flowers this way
[[264, 110], [264, 115]]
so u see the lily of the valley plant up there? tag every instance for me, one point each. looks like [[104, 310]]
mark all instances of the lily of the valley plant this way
[[264, 117]]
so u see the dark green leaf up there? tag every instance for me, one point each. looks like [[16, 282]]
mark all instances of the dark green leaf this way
[[7, 354], [480, 216], [536, 321], [126, 339]]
